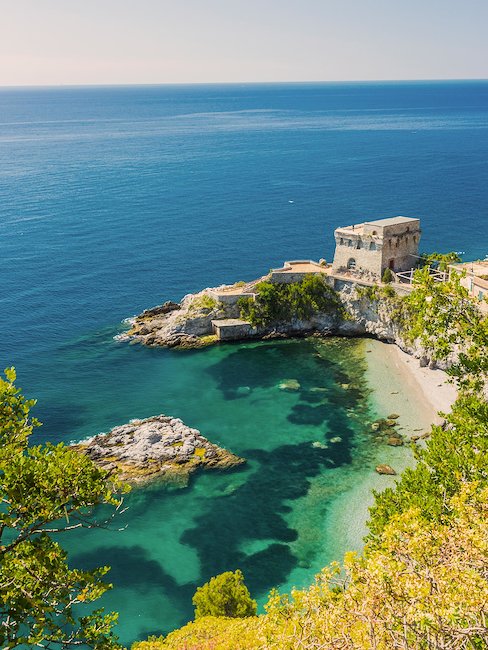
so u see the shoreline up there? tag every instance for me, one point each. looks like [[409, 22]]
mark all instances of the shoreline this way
[[429, 388], [398, 384]]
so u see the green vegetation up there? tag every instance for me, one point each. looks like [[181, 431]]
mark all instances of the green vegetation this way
[[439, 260], [224, 595], [46, 490], [376, 292], [443, 317], [454, 455], [422, 581], [278, 302], [204, 301], [387, 276]]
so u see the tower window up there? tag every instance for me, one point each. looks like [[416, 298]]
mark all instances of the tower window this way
[[372, 246]]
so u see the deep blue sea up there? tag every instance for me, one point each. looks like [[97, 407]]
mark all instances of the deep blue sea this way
[[113, 199]]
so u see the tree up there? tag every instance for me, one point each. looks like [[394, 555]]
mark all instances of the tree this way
[[278, 302], [46, 490], [387, 276], [224, 595], [441, 315], [439, 260]]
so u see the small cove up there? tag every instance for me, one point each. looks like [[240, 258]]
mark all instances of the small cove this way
[[299, 502]]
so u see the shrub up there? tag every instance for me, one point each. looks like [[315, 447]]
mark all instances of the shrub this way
[[277, 302], [387, 276], [203, 301], [224, 595]]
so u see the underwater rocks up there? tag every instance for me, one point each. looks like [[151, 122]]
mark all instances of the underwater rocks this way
[[160, 447], [395, 441], [385, 469], [290, 385]]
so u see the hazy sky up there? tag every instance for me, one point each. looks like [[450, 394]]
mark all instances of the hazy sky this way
[[171, 41]]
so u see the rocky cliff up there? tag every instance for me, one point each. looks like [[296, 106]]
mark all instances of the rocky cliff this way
[[189, 323]]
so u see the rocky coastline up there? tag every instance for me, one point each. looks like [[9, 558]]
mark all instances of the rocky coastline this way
[[156, 448], [188, 324]]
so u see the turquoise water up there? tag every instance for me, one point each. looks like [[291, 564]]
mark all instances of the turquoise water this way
[[303, 448], [115, 199]]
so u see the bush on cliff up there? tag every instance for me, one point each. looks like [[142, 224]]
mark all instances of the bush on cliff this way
[[45, 490], [224, 595], [443, 317], [281, 303], [439, 260]]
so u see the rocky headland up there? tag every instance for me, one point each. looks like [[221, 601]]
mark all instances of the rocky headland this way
[[159, 447], [188, 324]]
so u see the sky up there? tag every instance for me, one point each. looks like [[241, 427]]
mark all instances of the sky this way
[[51, 42]]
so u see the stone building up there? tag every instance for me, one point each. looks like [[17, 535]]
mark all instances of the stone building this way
[[373, 246]]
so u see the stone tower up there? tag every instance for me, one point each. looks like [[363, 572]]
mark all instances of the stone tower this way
[[373, 246]]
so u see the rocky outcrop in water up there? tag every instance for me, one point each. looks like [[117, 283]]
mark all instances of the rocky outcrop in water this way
[[188, 324], [160, 447]]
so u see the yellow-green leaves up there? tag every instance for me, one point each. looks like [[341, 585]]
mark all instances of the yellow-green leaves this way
[[224, 595]]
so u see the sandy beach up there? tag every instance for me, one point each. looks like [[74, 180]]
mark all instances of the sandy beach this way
[[423, 390], [398, 385]]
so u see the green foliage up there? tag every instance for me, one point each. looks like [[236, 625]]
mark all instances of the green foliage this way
[[425, 586], [439, 260], [224, 595], [375, 292], [454, 454], [280, 302], [44, 491], [439, 314], [204, 301], [387, 276]]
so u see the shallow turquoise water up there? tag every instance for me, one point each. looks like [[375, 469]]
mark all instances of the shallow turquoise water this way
[[303, 449]]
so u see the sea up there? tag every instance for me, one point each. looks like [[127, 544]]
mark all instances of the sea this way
[[114, 199]]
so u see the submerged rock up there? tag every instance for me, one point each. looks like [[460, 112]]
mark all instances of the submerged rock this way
[[395, 441], [385, 469], [290, 385], [160, 447], [319, 445]]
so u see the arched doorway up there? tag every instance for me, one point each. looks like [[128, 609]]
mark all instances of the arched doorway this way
[[351, 263]]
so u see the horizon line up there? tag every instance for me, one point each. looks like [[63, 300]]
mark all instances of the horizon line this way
[[241, 83]]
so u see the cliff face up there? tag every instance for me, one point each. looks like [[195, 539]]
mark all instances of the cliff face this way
[[189, 323]]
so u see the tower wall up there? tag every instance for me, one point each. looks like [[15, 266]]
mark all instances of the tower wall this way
[[375, 245]]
